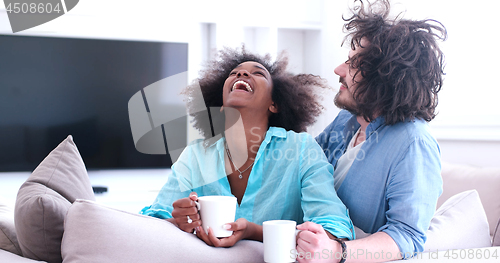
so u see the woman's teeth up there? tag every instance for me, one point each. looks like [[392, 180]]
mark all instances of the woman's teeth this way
[[241, 82]]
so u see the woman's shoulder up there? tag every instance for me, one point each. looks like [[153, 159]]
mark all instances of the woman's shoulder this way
[[203, 146]]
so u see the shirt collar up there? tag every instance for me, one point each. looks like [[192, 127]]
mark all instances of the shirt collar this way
[[374, 125], [274, 132], [352, 126], [271, 132]]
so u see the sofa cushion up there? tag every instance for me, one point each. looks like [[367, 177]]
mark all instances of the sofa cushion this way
[[459, 178], [496, 236], [7, 257], [96, 233], [8, 236], [459, 223], [44, 199]]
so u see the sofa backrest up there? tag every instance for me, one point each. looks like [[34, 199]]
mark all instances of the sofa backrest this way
[[458, 178]]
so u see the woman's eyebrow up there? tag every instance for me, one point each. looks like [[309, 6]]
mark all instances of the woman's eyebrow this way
[[257, 66]]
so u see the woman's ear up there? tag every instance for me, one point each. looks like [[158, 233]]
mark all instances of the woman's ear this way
[[273, 108]]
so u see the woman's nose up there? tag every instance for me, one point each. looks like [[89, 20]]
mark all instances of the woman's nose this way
[[242, 72]]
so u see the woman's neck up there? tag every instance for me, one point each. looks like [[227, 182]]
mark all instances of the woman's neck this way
[[244, 134]]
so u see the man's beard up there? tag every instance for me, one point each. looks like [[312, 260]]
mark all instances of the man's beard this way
[[346, 105]]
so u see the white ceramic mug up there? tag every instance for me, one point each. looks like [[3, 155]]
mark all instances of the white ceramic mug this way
[[215, 212], [279, 241]]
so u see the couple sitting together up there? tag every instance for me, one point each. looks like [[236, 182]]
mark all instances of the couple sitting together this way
[[375, 167]]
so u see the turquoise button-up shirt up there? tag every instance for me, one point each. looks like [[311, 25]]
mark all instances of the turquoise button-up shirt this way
[[291, 179]]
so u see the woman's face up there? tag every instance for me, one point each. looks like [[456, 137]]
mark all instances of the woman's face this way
[[249, 85]]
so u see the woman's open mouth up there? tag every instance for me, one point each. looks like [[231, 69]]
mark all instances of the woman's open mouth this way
[[242, 85]]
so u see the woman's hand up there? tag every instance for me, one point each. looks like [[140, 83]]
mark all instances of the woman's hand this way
[[313, 238], [185, 213], [241, 229]]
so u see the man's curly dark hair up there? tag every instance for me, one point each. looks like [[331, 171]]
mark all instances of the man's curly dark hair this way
[[295, 96], [401, 65]]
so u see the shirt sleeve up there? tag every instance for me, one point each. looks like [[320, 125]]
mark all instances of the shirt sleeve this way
[[320, 203], [412, 192], [178, 186]]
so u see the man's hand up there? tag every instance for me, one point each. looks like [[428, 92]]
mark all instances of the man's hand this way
[[313, 238], [185, 214], [241, 230]]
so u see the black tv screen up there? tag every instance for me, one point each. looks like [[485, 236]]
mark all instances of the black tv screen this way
[[54, 87]]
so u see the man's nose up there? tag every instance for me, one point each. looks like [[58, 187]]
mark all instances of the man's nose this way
[[339, 70]]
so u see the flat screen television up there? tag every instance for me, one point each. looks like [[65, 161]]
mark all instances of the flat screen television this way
[[52, 87]]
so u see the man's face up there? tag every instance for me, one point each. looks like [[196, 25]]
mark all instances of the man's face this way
[[344, 98]]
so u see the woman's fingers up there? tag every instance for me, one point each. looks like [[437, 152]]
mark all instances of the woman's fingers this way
[[193, 196], [234, 226], [213, 239], [185, 213], [238, 225], [184, 203], [200, 233]]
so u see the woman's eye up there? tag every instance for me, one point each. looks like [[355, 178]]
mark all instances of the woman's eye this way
[[259, 73], [232, 73]]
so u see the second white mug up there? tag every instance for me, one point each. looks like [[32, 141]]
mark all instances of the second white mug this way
[[279, 241]]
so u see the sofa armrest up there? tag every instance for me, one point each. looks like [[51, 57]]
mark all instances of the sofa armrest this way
[[98, 233]]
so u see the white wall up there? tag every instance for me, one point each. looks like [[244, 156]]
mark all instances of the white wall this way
[[468, 124], [311, 31], [476, 153]]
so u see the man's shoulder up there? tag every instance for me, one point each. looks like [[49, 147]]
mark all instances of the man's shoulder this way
[[339, 122], [416, 129], [343, 117]]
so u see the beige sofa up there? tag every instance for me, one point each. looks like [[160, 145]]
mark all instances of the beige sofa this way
[[56, 220]]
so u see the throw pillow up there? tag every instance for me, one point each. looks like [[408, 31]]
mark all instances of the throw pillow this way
[[458, 178], [96, 233], [8, 237], [459, 223], [44, 199]]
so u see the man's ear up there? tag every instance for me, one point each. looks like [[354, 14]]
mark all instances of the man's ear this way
[[273, 108]]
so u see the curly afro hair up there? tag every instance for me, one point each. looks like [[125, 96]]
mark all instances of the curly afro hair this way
[[296, 96], [402, 65]]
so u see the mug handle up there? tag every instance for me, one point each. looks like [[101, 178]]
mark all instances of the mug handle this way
[[198, 206], [296, 235]]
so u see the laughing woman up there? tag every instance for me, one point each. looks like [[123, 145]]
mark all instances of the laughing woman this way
[[263, 157]]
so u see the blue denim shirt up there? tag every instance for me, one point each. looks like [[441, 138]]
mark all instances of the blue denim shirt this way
[[291, 179], [394, 182]]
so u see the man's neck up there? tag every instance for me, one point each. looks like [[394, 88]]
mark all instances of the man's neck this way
[[362, 130]]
